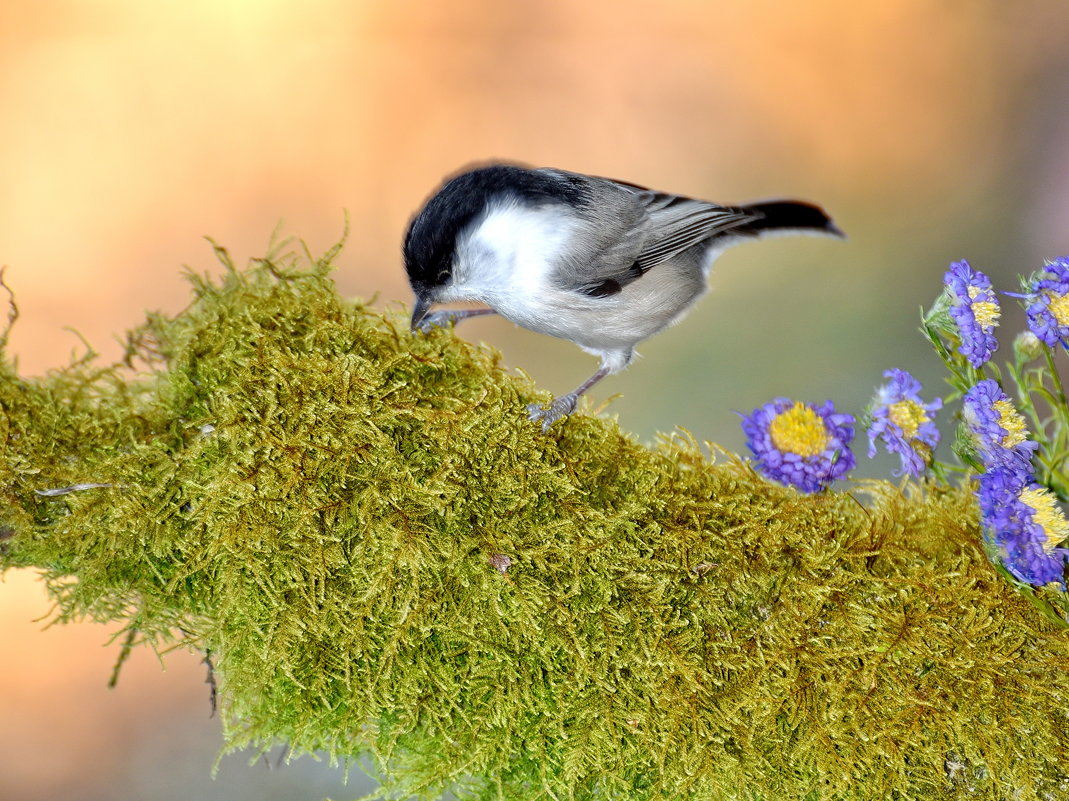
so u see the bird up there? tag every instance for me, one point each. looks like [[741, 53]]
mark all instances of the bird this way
[[603, 263]]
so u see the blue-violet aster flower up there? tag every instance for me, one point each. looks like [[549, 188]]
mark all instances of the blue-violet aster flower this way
[[1048, 313], [904, 422], [997, 429], [975, 310], [800, 444], [1026, 526]]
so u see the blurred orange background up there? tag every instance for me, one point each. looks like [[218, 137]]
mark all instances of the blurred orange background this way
[[931, 130]]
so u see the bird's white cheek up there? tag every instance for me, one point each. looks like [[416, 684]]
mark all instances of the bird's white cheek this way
[[511, 252]]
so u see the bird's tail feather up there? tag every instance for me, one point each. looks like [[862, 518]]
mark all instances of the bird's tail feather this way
[[787, 216]]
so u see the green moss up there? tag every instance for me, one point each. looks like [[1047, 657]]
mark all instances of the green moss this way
[[324, 501]]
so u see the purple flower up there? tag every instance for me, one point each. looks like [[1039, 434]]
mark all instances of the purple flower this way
[[1048, 313], [974, 309], [1024, 524], [904, 422], [799, 444], [996, 428]]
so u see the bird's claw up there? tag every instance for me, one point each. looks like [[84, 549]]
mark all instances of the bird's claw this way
[[548, 415], [437, 319]]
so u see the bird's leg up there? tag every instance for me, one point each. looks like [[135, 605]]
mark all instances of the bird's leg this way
[[441, 319], [565, 404]]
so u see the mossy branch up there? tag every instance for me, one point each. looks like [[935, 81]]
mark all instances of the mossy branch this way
[[384, 557]]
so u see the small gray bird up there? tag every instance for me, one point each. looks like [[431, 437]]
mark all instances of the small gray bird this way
[[602, 263]]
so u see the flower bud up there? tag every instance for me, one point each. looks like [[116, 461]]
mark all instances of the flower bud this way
[[1027, 347]]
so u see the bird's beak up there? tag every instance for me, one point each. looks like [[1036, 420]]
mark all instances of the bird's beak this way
[[419, 311]]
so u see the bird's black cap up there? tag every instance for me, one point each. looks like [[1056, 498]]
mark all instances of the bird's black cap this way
[[432, 235]]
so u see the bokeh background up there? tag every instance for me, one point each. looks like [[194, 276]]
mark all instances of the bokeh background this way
[[933, 130]]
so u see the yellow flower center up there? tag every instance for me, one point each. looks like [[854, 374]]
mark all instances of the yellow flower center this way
[[1048, 515], [1010, 420], [799, 430], [986, 312], [1059, 307], [907, 415]]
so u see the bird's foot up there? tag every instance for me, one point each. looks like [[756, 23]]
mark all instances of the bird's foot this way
[[438, 319], [443, 318], [548, 415]]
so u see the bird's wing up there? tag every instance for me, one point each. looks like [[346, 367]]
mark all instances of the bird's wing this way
[[678, 223], [604, 253], [634, 229]]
